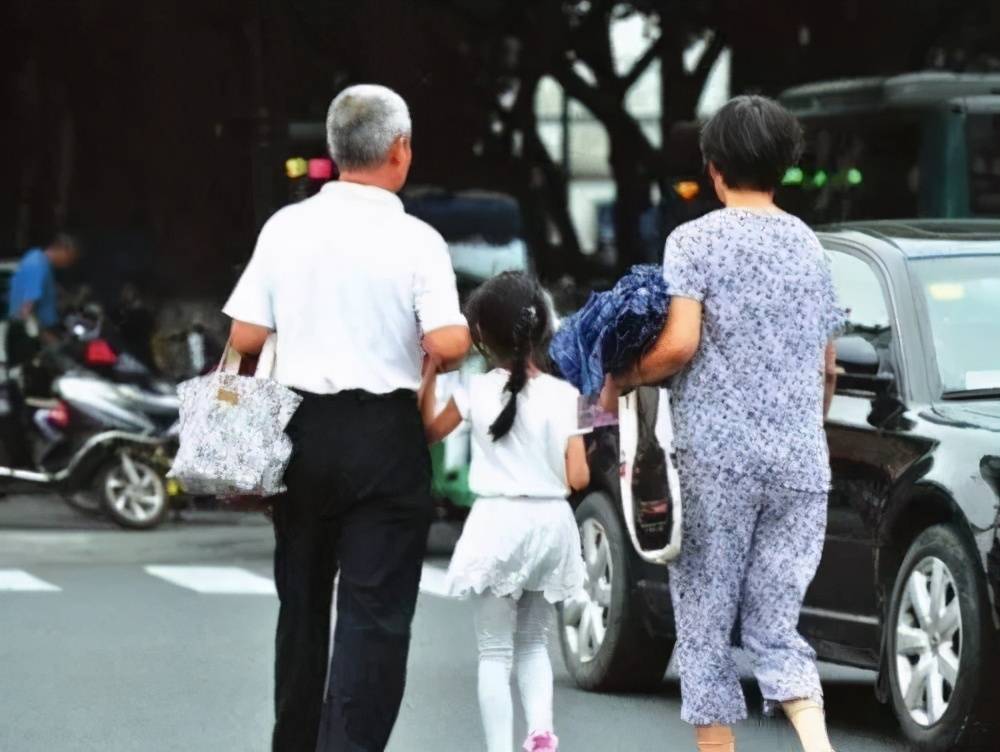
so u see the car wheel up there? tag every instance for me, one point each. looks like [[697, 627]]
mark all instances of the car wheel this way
[[604, 640], [133, 493], [942, 646], [86, 502]]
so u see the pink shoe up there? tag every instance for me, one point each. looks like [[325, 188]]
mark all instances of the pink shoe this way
[[544, 741]]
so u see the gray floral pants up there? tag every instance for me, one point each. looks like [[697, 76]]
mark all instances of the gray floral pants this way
[[750, 551]]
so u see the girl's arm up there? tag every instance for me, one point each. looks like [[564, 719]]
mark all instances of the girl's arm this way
[[436, 426], [577, 469]]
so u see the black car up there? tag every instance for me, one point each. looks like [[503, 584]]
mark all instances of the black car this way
[[910, 575]]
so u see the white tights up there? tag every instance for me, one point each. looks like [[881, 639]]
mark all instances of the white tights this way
[[510, 631]]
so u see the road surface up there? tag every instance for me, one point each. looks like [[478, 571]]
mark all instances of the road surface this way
[[132, 642]]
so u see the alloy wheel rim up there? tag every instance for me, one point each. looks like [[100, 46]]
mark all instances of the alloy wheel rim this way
[[134, 490], [585, 616], [928, 641]]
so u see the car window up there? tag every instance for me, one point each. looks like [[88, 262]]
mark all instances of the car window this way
[[859, 290], [860, 293]]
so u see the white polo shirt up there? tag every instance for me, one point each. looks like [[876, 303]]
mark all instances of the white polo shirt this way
[[350, 282]]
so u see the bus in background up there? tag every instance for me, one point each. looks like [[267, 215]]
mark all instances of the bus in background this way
[[915, 145]]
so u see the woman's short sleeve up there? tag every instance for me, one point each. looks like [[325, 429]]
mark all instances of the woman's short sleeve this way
[[834, 316], [684, 276]]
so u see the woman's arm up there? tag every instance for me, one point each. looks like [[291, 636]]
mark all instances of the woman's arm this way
[[436, 425], [673, 349], [829, 376], [577, 469]]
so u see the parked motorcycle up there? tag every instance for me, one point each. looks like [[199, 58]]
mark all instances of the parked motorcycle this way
[[103, 436]]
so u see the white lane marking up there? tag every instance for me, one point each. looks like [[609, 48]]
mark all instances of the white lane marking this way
[[216, 580], [432, 581], [17, 580]]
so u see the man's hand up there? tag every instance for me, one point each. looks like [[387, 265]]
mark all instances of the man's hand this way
[[447, 346]]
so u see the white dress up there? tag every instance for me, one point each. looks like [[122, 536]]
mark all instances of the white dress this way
[[521, 534]]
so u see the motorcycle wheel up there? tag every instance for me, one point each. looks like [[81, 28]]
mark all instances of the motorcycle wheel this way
[[133, 493]]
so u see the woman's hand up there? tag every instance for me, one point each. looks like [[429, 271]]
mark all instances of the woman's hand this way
[[615, 387]]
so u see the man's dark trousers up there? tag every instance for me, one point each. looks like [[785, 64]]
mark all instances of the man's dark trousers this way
[[359, 502]]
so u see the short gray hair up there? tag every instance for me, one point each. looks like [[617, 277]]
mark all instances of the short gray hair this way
[[363, 123]]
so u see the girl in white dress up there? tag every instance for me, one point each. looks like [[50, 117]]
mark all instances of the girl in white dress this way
[[519, 553]]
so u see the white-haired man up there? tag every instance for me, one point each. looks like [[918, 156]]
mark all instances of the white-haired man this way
[[358, 292]]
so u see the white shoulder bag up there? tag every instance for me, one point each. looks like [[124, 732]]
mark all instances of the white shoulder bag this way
[[232, 429]]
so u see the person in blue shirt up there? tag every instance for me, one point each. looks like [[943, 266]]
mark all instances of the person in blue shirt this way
[[32, 303]]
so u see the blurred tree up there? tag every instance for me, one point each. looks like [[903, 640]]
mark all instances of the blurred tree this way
[[158, 127], [515, 44]]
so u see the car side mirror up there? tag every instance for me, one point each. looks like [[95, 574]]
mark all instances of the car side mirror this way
[[858, 364], [856, 355]]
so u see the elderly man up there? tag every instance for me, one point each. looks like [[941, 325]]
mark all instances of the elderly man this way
[[359, 293]]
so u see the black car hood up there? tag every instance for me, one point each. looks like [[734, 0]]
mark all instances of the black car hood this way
[[978, 413]]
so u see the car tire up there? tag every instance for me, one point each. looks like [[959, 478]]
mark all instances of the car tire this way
[[85, 502], [132, 492], [940, 674], [619, 654]]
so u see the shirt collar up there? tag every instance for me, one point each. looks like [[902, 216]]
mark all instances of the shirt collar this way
[[361, 192]]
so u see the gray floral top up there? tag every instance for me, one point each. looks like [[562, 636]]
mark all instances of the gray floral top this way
[[752, 398]]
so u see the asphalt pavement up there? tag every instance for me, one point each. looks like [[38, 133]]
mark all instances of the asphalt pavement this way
[[132, 642]]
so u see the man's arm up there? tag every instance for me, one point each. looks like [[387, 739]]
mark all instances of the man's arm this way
[[249, 305], [446, 337], [829, 376], [248, 339], [447, 346]]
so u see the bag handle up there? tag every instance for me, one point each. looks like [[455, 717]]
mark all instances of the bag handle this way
[[231, 358], [267, 358]]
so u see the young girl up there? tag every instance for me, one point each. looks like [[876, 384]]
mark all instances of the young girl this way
[[520, 551]]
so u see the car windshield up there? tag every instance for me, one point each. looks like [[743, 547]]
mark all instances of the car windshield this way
[[963, 300]]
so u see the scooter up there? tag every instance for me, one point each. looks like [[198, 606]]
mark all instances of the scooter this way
[[95, 442]]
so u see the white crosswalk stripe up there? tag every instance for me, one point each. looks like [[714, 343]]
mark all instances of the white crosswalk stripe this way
[[17, 580], [215, 580], [208, 580]]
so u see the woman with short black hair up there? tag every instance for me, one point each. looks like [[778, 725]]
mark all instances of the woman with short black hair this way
[[750, 143], [751, 315]]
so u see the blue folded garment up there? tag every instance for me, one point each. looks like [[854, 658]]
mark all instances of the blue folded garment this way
[[612, 330]]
